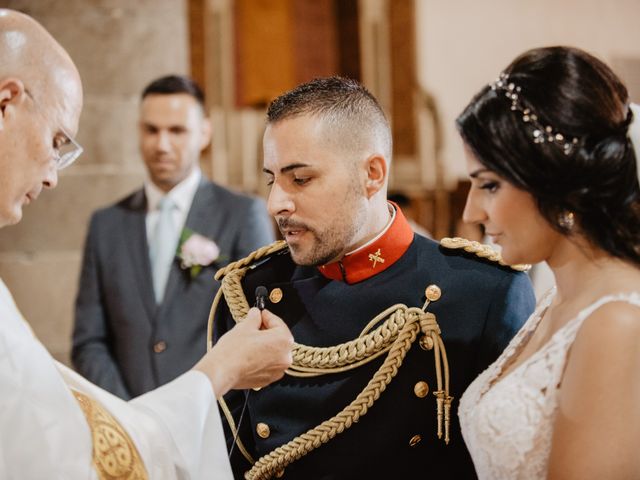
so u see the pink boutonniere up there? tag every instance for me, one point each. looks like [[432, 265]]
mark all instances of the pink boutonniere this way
[[196, 251]]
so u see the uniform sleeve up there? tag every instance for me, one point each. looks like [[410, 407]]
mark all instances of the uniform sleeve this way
[[91, 352], [512, 302], [256, 231]]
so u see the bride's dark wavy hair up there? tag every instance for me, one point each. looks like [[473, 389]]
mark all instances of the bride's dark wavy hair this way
[[578, 95]]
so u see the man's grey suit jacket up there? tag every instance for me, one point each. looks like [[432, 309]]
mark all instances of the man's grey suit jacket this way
[[122, 340]]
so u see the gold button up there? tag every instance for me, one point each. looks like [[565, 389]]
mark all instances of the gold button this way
[[426, 342], [160, 346], [415, 440], [276, 295], [263, 430], [421, 389], [433, 293]]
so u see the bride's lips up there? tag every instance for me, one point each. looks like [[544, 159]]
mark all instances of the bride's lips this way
[[30, 197], [493, 236]]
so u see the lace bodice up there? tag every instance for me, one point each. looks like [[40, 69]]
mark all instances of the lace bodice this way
[[507, 425]]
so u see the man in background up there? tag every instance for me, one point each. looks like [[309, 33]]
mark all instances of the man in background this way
[[147, 277]]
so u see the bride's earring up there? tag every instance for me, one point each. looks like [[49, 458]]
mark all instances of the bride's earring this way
[[567, 220]]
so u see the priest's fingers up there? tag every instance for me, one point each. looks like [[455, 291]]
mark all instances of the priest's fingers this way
[[253, 320], [248, 357], [270, 320]]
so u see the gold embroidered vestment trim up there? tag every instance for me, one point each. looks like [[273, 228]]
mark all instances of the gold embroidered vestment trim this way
[[114, 454]]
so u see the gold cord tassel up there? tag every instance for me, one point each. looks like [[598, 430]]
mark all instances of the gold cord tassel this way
[[447, 417], [439, 410]]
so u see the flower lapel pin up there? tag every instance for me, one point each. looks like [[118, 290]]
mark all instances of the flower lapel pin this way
[[196, 251]]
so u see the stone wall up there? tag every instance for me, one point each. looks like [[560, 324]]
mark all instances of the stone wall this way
[[118, 46]]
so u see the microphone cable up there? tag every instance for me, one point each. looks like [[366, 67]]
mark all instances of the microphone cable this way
[[261, 297]]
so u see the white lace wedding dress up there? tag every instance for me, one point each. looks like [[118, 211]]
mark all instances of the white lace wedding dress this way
[[507, 425]]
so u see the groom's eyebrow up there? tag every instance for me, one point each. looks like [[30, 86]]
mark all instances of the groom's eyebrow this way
[[287, 168]]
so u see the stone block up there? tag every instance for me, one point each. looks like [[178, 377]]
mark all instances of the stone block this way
[[58, 220], [109, 131], [117, 45], [44, 288]]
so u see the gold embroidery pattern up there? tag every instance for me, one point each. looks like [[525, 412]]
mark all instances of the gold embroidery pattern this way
[[114, 454]]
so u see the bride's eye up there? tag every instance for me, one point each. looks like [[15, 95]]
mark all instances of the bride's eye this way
[[490, 186]]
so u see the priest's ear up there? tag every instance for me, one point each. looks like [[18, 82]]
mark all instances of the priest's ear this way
[[12, 94], [376, 171]]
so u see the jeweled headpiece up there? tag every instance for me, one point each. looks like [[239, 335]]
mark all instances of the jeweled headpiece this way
[[540, 133]]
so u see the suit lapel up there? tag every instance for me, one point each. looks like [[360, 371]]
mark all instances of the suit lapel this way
[[204, 217], [139, 251]]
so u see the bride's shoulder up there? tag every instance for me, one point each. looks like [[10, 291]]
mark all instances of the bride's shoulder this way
[[614, 322], [605, 350], [620, 311]]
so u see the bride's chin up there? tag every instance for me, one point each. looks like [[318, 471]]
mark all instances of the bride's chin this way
[[514, 259]]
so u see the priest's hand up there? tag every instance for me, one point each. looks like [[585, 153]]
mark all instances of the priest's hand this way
[[254, 353]]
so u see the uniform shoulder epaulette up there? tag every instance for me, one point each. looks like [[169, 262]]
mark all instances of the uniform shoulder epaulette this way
[[480, 250], [255, 257]]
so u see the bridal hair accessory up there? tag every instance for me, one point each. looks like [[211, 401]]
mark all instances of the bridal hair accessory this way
[[541, 133], [634, 134]]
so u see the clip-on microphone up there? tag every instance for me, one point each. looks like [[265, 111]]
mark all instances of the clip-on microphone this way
[[261, 298]]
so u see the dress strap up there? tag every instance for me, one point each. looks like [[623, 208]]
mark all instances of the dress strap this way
[[572, 327]]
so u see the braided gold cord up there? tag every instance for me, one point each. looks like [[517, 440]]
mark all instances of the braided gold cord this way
[[232, 274], [234, 430], [481, 250], [234, 295], [252, 257], [346, 356], [241, 307], [268, 465], [319, 360], [397, 329]]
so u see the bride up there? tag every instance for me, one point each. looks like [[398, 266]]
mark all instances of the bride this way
[[555, 178]]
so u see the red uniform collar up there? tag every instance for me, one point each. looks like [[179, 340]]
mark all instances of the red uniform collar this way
[[375, 257]]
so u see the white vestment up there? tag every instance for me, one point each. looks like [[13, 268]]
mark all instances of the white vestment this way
[[44, 433]]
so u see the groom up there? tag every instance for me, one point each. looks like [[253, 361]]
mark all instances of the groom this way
[[351, 255]]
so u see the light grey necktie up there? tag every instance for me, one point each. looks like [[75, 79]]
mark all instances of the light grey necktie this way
[[162, 248]]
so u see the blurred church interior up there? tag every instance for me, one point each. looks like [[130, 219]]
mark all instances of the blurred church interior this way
[[423, 59]]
